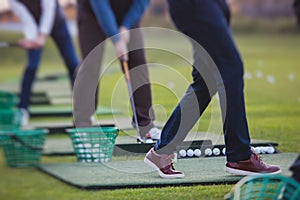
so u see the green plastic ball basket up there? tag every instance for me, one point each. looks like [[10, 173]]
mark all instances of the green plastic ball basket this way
[[10, 119], [265, 187], [8, 99], [94, 144], [23, 148]]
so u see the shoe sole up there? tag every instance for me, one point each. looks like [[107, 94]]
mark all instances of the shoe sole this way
[[160, 173], [247, 173]]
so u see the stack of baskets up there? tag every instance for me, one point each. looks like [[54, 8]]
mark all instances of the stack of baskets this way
[[21, 148], [10, 116], [265, 187], [95, 144]]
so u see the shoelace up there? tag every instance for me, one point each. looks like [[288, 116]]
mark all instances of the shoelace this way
[[258, 158], [173, 157]]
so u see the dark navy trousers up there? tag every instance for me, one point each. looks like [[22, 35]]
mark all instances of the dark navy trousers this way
[[64, 43], [206, 22]]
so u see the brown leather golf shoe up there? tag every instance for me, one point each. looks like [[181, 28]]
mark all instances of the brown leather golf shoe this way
[[253, 166], [163, 164]]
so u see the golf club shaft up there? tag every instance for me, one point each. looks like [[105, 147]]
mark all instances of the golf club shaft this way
[[8, 44], [127, 77]]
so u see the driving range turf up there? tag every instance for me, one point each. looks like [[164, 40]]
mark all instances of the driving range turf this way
[[272, 81]]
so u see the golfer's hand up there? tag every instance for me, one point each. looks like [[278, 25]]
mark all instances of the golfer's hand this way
[[121, 49], [28, 44], [124, 33], [36, 43], [41, 40]]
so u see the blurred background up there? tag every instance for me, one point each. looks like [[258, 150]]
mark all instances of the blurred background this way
[[247, 15]]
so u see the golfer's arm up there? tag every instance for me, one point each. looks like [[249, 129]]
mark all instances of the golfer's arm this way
[[30, 28], [106, 18], [48, 16], [135, 13]]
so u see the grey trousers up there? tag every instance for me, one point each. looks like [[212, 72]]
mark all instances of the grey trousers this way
[[90, 35]]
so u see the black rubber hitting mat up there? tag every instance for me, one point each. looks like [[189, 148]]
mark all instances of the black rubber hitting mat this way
[[46, 111], [59, 127], [136, 174], [127, 145]]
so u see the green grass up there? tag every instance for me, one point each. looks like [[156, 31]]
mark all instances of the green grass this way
[[273, 109]]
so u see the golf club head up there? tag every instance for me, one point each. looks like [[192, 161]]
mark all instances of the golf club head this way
[[8, 44], [139, 140]]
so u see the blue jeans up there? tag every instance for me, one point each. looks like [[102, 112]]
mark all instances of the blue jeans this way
[[64, 43], [207, 23]]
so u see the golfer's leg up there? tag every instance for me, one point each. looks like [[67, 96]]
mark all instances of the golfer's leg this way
[[87, 79], [197, 96], [215, 36], [186, 114], [64, 43], [140, 82], [33, 59]]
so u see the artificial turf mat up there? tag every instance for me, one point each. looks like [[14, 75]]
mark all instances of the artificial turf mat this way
[[63, 146], [136, 174], [124, 146], [47, 111], [123, 123]]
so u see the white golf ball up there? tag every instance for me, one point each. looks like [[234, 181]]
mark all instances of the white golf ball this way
[[182, 153], [224, 151], [88, 155], [197, 152], [88, 151], [263, 150], [271, 79], [87, 145], [190, 153], [257, 150], [95, 150], [95, 155], [270, 150], [208, 152], [149, 141], [216, 151], [81, 151], [171, 85]]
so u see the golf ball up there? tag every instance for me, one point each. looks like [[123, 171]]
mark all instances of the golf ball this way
[[95, 150], [270, 150], [197, 152], [216, 151], [81, 151], [149, 141], [257, 150], [208, 152], [224, 151], [182, 153], [190, 153], [95, 155], [263, 150], [87, 145], [88, 155]]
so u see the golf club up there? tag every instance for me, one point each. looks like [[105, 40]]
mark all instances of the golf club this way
[[8, 44], [127, 77]]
